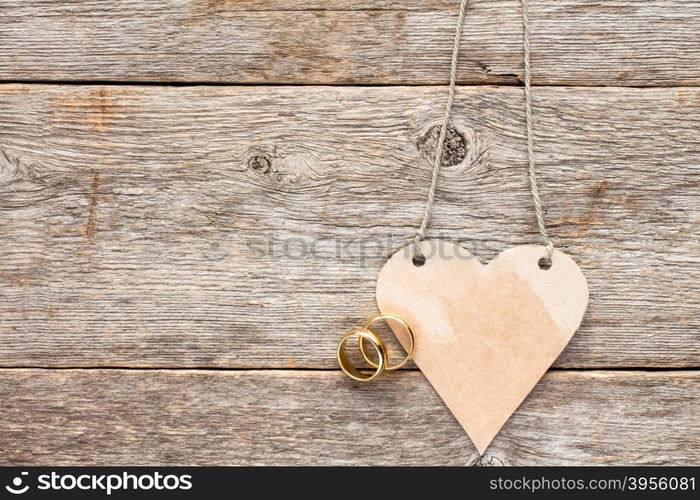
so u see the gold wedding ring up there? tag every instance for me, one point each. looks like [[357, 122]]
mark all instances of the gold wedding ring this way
[[382, 362], [409, 352], [347, 366]]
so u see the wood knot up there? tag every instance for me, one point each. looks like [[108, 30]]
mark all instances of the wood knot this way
[[454, 151], [465, 151], [259, 163], [285, 169], [487, 461], [18, 172]]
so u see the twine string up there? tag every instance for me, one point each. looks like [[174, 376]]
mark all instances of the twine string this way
[[437, 161], [420, 234], [528, 125]]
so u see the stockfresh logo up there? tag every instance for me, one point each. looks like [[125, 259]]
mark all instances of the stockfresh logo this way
[[105, 483], [17, 487]]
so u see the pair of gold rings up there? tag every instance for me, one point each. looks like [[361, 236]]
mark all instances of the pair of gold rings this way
[[382, 363]]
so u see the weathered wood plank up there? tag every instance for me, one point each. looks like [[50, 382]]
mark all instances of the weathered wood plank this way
[[290, 417], [147, 226], [575, 42]]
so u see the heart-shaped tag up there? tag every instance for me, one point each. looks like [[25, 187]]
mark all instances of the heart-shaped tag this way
[[484, 334]]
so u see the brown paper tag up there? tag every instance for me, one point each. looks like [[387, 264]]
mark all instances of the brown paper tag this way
[[485, 334]]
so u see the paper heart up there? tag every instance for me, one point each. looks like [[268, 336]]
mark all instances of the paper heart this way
[[484, 334]]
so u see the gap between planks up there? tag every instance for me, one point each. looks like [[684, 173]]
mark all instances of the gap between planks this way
[[208, 83], [610, 369]]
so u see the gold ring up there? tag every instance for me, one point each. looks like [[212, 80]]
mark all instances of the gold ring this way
[[347, 366], [386, 317]]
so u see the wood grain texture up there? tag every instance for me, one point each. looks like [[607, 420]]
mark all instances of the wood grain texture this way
[[289, 417], [244, 227], [574, 42]]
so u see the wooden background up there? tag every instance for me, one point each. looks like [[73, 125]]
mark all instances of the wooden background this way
[[196, 196]]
